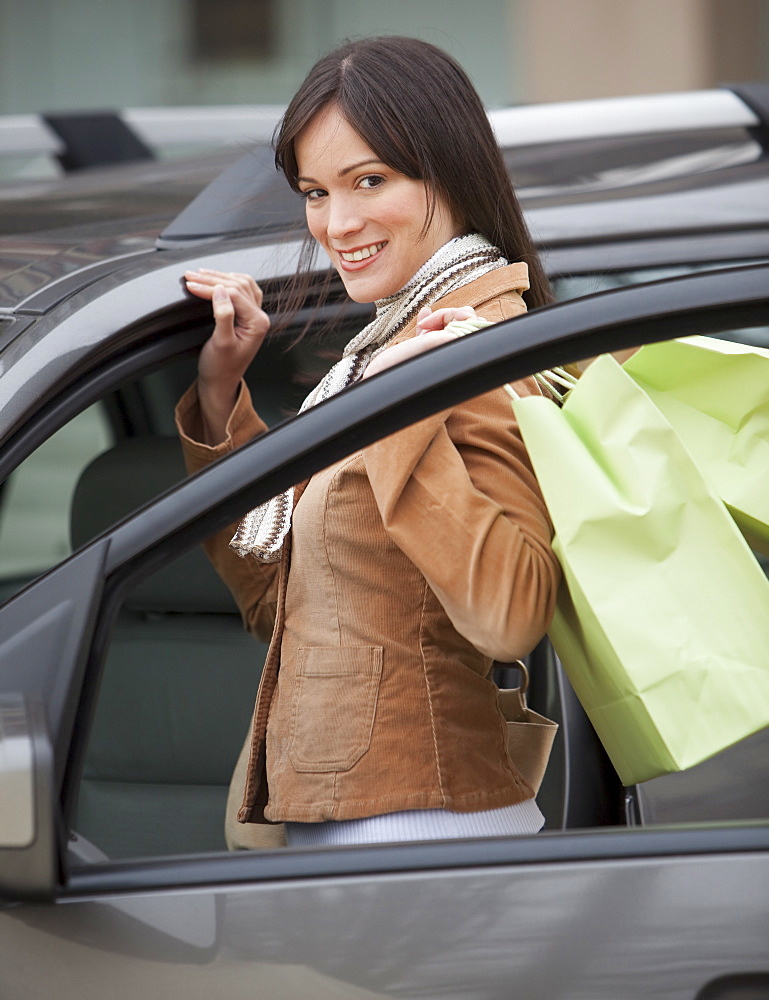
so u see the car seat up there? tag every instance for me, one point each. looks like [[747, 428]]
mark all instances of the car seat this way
[[178, 686]]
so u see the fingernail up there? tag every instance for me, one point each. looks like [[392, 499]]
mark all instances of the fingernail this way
[[219, 293]]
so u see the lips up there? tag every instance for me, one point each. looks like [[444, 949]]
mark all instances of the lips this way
[[361, 256]]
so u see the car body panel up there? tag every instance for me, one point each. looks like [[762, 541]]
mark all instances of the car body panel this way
[[654, 214], [581, 929]]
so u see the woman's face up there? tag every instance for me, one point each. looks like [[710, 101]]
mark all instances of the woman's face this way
[[366, 215]]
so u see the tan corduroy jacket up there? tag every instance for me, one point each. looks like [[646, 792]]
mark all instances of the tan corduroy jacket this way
[[411, 565]]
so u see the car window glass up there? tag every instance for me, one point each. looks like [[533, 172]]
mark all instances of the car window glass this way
[[173, 710], [36, 498], [575, 285]]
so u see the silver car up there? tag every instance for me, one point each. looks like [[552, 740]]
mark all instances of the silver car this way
[[126, 681]]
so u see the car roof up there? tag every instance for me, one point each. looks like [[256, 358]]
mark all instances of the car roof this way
[[594, 172]]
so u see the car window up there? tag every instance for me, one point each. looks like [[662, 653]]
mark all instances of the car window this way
[[174, 707], [574, 286], [180, 674], [36, 498]]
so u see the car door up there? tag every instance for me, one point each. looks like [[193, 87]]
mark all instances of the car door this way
[[592, 912]]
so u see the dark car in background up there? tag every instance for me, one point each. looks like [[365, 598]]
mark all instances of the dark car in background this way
[[127, 682]]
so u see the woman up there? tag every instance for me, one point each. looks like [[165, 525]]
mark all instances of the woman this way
[[391, 580]]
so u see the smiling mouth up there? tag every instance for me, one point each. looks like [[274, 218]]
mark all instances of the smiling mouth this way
[[363, 254]]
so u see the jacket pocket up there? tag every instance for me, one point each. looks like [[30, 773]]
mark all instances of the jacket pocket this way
[[333, 706]]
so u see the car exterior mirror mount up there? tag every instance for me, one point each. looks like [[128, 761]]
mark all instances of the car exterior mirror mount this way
[[28, 850]]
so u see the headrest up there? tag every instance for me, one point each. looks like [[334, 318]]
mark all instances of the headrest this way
[[115, 484]]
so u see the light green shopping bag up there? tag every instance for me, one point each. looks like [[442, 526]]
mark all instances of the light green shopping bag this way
[[716, 395], [662, 621]]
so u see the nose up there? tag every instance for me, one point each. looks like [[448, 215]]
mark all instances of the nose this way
[[344, 219]]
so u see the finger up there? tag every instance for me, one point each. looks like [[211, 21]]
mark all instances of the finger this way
[[442, 317], [435, 320], [226, 278], [249, 319], [462, 312], [436, 338], [204, 277], [202, 285], [430, 321], [200, 290], [242, 302], [209, 280], [247, 287], [224, 311]]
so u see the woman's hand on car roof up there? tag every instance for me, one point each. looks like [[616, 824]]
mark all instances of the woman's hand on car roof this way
[[240, 326]]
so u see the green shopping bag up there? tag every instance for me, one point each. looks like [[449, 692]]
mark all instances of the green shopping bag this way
[[716, 395], [662, 620]]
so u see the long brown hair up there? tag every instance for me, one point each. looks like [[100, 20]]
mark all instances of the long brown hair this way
[[416, 108]]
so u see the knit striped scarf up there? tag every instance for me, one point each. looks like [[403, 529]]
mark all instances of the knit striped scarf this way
[[462, 260]]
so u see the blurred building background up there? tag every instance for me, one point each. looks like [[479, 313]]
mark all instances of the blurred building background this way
[[83, 54]]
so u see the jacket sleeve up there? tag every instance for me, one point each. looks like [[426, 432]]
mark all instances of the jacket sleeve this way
[[254, 585], [458, 495]]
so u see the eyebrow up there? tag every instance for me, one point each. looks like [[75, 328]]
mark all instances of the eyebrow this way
[[344, 170]]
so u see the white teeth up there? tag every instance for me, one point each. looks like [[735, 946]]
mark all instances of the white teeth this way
[[363, 254]]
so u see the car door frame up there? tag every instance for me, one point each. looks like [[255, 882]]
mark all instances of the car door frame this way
[[109, 565]]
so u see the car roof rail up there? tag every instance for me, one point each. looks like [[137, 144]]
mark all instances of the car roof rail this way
[[538, 124], [95, 139], [756, 97], [732, 106], [28, 135], [229, 124]]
